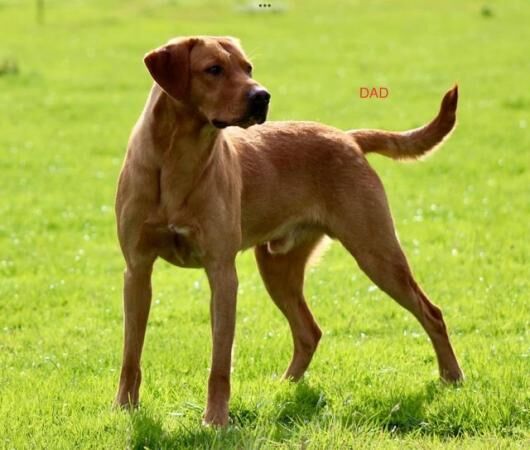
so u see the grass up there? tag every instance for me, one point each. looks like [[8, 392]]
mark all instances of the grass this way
[[70, 90]]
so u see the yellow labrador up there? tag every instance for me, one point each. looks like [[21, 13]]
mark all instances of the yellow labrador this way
[[204, 178]]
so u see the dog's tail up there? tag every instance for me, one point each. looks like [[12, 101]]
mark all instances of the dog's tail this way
[[412, 144]]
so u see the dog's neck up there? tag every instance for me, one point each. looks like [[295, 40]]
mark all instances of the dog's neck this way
[[183, 144], [176, 128]]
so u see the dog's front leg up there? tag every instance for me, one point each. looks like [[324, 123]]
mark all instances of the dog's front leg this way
[[223, 284], [136, 304]]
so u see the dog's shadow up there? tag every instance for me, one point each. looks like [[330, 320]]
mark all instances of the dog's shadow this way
[[386, 412], [393, 412]]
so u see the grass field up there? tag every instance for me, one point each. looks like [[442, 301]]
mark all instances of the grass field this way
[[69, 96]]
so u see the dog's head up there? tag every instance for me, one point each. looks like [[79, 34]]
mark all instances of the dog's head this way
[[212, 75]]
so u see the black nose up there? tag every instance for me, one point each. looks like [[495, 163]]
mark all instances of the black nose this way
[[259, 98]]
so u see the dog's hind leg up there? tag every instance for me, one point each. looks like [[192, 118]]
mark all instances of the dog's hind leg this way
[[364, 226], [283, 275]]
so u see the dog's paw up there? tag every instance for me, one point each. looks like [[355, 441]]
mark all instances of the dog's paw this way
[[215, 417], [454, 377], [125, 403]]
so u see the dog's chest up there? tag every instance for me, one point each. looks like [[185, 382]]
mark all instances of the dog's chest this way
[[183, 251], [174, 237]]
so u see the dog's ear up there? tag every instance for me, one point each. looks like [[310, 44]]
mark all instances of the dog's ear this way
[[170, 67]]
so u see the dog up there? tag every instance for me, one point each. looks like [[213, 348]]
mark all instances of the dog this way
[[205, 177]]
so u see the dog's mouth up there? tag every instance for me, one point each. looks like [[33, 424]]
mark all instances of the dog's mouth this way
[[245, 122]]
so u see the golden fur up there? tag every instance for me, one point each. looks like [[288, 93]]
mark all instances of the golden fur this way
[[195, 192]]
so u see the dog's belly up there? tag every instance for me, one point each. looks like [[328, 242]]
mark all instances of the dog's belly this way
[[282, 238]]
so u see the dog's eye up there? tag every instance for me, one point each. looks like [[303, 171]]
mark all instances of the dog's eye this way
[[249, 70], [214, 70]]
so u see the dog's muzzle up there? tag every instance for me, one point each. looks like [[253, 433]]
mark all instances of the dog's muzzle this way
[[257, 109]]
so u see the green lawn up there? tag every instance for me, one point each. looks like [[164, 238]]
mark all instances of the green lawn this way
[[68, 99]]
